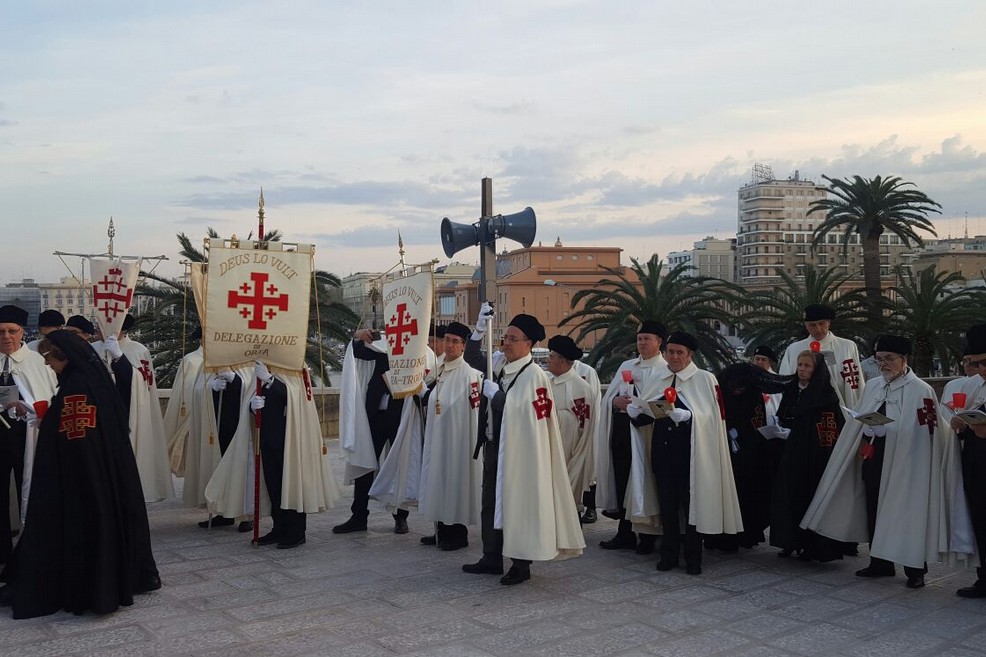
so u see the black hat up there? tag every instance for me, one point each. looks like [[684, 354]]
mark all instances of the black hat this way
[[81, 323], [897, 344], [975, 339], [51, 318], [441, 330], [457, 329], [128, 322], [13, 315], [684, 339], [565, 347], [196, 333], [653, 327], [817, 311], [764, 350], [529, 326]]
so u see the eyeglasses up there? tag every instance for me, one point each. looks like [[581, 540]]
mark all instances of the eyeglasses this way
[[976, 363], [885, 360], [45, 354], [513, 338]]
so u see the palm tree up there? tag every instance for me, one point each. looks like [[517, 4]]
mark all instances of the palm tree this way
[[935, 315], [683, 302], [870, 208], [776, 317]]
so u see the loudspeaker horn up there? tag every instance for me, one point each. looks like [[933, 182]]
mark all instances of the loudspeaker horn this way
[[456, 237], [519, 227]]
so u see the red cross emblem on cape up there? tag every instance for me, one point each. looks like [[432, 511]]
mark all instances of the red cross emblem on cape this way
[[542, 405], [721, 404], [147, 372], [581, 410], [758, 420], [400, 329], [257, 308], [110, 296], [850, 373], [77, 416], [927, 415], [828, 430], [474, 394]]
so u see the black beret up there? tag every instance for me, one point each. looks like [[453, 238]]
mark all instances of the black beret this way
[[565, 347], [764, 350], [196, 333], [817, 311], [653, 327], [684, 339], [975, 339], [128, 322], [457, 329], [529, 326], [13, 315], [896, 344], [441, 330], [51, 318], [81, 323]]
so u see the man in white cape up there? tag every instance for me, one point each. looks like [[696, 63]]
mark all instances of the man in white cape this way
[[690, 457], [589, 374], [625, 487], [577, 408], [450, 477], [533, 516], [182, 424], [841, 355], [48, 321], [886, 484], [25, 377]]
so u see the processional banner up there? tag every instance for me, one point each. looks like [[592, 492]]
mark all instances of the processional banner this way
[[407, 302], [113, 283], [256, 304]]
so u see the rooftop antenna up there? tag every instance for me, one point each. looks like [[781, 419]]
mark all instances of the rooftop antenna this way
[[967, 224]]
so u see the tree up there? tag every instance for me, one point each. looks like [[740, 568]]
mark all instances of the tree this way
[[870, 208], [935, 315], [683, 302], [776, 317]]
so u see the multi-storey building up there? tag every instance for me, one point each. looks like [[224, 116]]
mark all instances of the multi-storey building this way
[[710, 257]]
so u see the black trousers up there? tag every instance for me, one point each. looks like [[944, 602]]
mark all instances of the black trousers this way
[[492, 538], [974, 481], [670, 461], [872, 474], [383, 430], [621, 454], [289, 525], [11, 460]]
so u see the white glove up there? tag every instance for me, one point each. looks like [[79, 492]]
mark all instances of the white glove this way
[[217, 384], [634, 411], [782, 432], [261, 372], [490, 389], [256, 403], [226, 375], [878, 431], [112, 345], [32, 420], [773, 421], [483, 321], [680, 415]]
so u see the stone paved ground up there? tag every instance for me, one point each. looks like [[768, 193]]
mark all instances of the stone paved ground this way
[[377, 593]]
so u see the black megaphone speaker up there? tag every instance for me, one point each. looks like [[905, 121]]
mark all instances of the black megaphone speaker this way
[[456, 237], [519, 227]]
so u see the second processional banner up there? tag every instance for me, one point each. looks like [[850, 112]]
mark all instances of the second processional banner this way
[[113, 282], [256, 304], [407, 315]]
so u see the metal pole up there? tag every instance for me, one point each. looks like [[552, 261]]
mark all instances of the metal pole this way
[[487, 246]]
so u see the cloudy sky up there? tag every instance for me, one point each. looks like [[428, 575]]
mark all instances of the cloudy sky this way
[[621, 123]]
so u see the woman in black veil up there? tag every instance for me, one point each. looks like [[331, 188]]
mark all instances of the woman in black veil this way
[[86, 544], [810, 409]]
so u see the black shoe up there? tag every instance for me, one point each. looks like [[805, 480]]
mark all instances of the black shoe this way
[[483, 567], [429, 540], [974, 591], [451, 546], [693, 569], [612, 515], [915, 581], [589, 517], [269, 538], [664, 565], [515, 576], [400, 525], [245, 526], [646, 545], [152, 585], [785, 553], [351, 525], [875, 571], [217, 521], [620, 542], [287, 545], [850, 549]]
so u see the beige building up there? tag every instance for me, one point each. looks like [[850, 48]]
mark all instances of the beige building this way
[[69, 296], [710, 257], [965, 256], [775, 231]]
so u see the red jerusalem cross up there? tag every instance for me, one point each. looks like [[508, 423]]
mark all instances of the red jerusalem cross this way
[[255, 302], [109, 301], [400, 329], [77, 416], [542, 405], [146, 372], [580, 410], [927, 415], [850, 373]]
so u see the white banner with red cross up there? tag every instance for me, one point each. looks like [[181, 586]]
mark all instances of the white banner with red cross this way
[[113, 283], [256, 304], [407, 305]]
